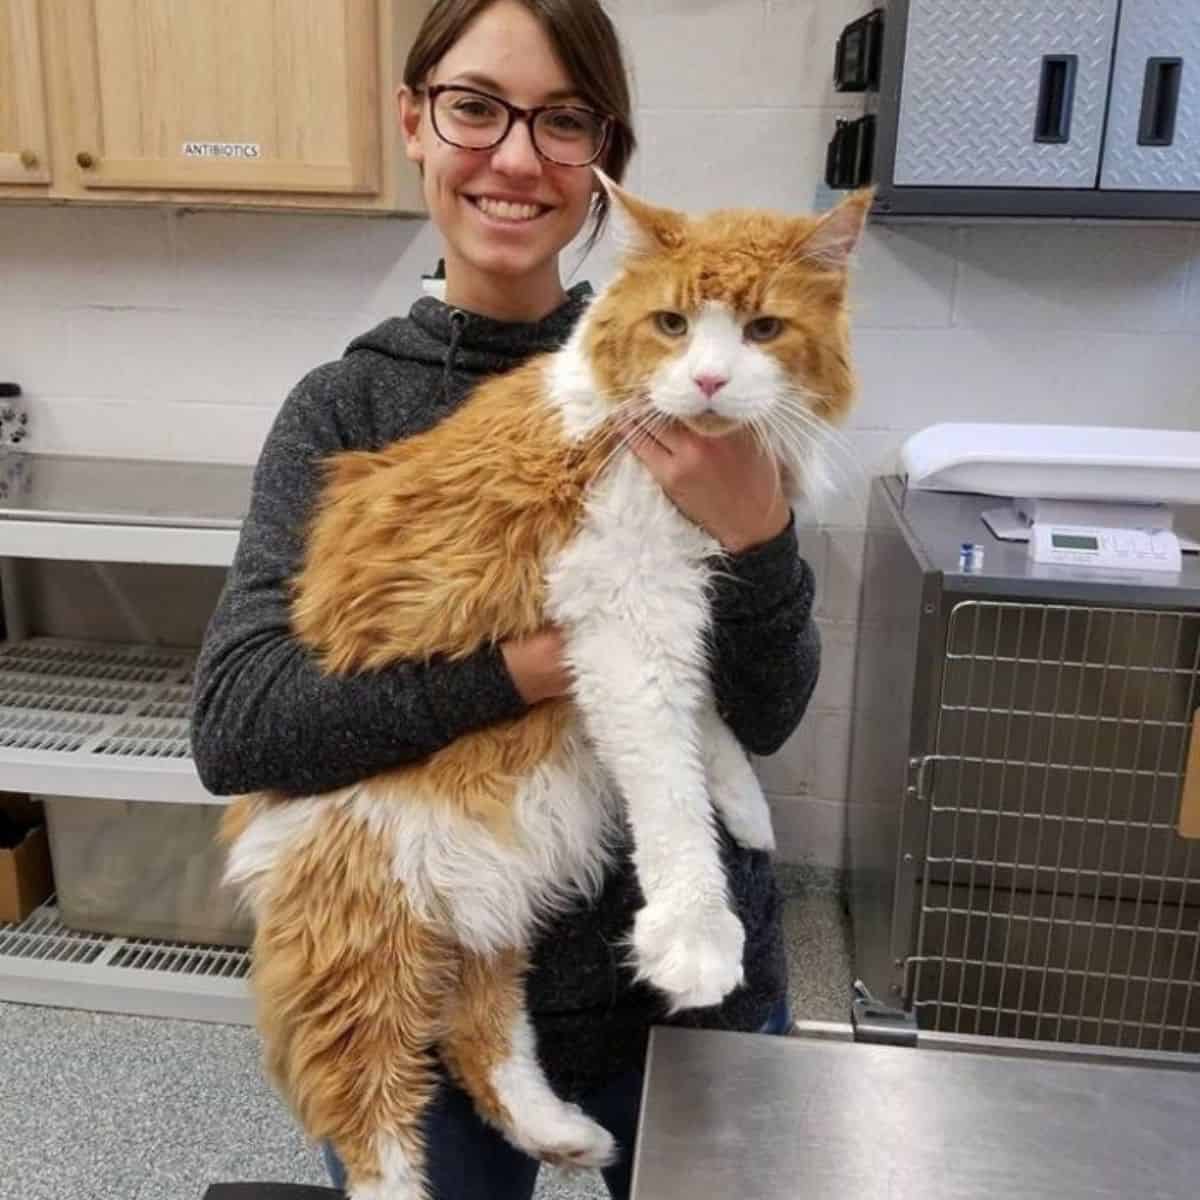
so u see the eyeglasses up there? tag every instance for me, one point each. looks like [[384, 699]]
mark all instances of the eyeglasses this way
[[564, 134]]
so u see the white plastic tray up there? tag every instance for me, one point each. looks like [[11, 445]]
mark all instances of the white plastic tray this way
[[1056, 462]]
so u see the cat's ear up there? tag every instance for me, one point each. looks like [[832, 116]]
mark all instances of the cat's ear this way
[[641, 227], [835, 236]]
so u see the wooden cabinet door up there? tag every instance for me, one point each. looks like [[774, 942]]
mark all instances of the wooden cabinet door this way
[[231, 95], [24, 148]]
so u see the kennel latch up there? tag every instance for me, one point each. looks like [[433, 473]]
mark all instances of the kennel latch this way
[[878, 1023]]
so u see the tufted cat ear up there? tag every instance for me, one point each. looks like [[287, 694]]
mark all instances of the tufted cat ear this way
[[833, 239], [642, 227]]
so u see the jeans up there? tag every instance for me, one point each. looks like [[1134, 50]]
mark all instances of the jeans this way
[[469, 1160]]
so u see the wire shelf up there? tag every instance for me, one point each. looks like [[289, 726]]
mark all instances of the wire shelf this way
[[96, 719], [43, 961]]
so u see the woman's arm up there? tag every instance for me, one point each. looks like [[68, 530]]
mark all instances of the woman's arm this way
[[264, 715], [766, 649]]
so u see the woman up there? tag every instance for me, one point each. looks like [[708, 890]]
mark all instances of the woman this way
[[508, 193]]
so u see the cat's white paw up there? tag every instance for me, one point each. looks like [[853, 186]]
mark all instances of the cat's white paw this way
[[694, 957], [749, 821], [563, 1135]]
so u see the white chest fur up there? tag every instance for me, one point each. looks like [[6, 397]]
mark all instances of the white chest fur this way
[[634, 551]]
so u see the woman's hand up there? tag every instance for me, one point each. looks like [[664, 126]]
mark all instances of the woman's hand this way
[[538, 666], [728, 485]]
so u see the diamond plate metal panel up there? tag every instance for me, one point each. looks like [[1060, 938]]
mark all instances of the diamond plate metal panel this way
[[969, 94], [1154, 29]]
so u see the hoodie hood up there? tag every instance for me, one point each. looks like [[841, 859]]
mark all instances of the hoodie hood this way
[[437, 334]]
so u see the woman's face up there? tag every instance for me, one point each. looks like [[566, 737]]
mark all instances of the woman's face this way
[[505, 213]]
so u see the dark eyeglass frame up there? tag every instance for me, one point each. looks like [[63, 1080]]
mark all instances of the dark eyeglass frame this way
[[517, 113]]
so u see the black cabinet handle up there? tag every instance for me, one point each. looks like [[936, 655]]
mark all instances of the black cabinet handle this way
[[850, 158], [1160, 101], [859, 49], [1056, 98]]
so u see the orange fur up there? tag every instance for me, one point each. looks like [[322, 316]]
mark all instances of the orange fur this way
[[435, 546]]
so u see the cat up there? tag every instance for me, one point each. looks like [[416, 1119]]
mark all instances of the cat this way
[[394, 917]]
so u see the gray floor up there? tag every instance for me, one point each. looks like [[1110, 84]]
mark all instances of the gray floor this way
[[99, 1107]]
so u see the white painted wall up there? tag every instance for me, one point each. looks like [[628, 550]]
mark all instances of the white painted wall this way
[[137, 331]]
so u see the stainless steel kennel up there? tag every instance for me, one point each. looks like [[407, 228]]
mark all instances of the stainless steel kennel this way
[[1021, 739]]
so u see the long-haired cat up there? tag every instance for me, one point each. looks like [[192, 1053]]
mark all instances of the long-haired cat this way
[[394, 917]]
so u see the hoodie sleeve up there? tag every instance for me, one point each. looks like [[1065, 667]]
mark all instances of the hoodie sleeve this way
[[264, 716], [766, 649]]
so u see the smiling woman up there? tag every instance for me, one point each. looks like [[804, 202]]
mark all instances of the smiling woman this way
[[504, 106]]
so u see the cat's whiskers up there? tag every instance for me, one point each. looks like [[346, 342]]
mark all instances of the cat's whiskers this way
[[790, 444], [807, 450], [836, 449], [631, 392], [803, 403], [760, 430], [646, 420], [827, 472], [829, 437]]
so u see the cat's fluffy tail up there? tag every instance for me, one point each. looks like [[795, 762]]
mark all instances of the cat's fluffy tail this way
[[353, 989]]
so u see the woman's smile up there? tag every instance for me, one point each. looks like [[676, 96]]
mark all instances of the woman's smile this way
[[507, 211]]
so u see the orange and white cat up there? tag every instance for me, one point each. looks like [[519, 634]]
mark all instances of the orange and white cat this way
[[394, 917]]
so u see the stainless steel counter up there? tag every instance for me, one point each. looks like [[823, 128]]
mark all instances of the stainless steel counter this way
[[745, 1117], [60, 488]]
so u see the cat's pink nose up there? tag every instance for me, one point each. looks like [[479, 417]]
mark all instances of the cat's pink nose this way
[[710, 385]]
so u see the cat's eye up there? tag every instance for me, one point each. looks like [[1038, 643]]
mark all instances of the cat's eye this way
[[764, 329], [673, 324]]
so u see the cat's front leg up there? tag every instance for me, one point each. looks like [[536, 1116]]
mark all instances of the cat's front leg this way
[[686, 940], [635, 642], [736, 793]]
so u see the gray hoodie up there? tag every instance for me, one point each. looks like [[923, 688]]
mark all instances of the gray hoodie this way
[[265, 717]]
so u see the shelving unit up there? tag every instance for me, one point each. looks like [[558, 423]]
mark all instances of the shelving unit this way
[[110, 721]]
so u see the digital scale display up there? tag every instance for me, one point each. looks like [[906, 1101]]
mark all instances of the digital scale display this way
[[1074, 541], [1091, 546]]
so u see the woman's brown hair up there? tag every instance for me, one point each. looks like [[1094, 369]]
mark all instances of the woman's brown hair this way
[[584, 39]]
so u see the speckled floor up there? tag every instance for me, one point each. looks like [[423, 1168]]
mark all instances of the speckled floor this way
[[99, 1107]]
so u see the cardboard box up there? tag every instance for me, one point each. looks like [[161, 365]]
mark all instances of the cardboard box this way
[[26, 878]]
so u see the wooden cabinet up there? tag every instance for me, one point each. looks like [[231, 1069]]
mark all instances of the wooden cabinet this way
[[242, 103], [24, 142]]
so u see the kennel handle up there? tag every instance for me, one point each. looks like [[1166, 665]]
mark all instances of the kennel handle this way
[[1189, 810]]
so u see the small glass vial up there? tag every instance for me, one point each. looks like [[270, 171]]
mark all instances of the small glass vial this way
[[970, 557]]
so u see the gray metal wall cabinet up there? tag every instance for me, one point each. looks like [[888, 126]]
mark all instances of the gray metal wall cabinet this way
[[1153, 135], [1039, 109]]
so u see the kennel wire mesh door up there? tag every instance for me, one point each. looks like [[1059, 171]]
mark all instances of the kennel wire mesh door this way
[[1018, 869], [1059, 901]]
